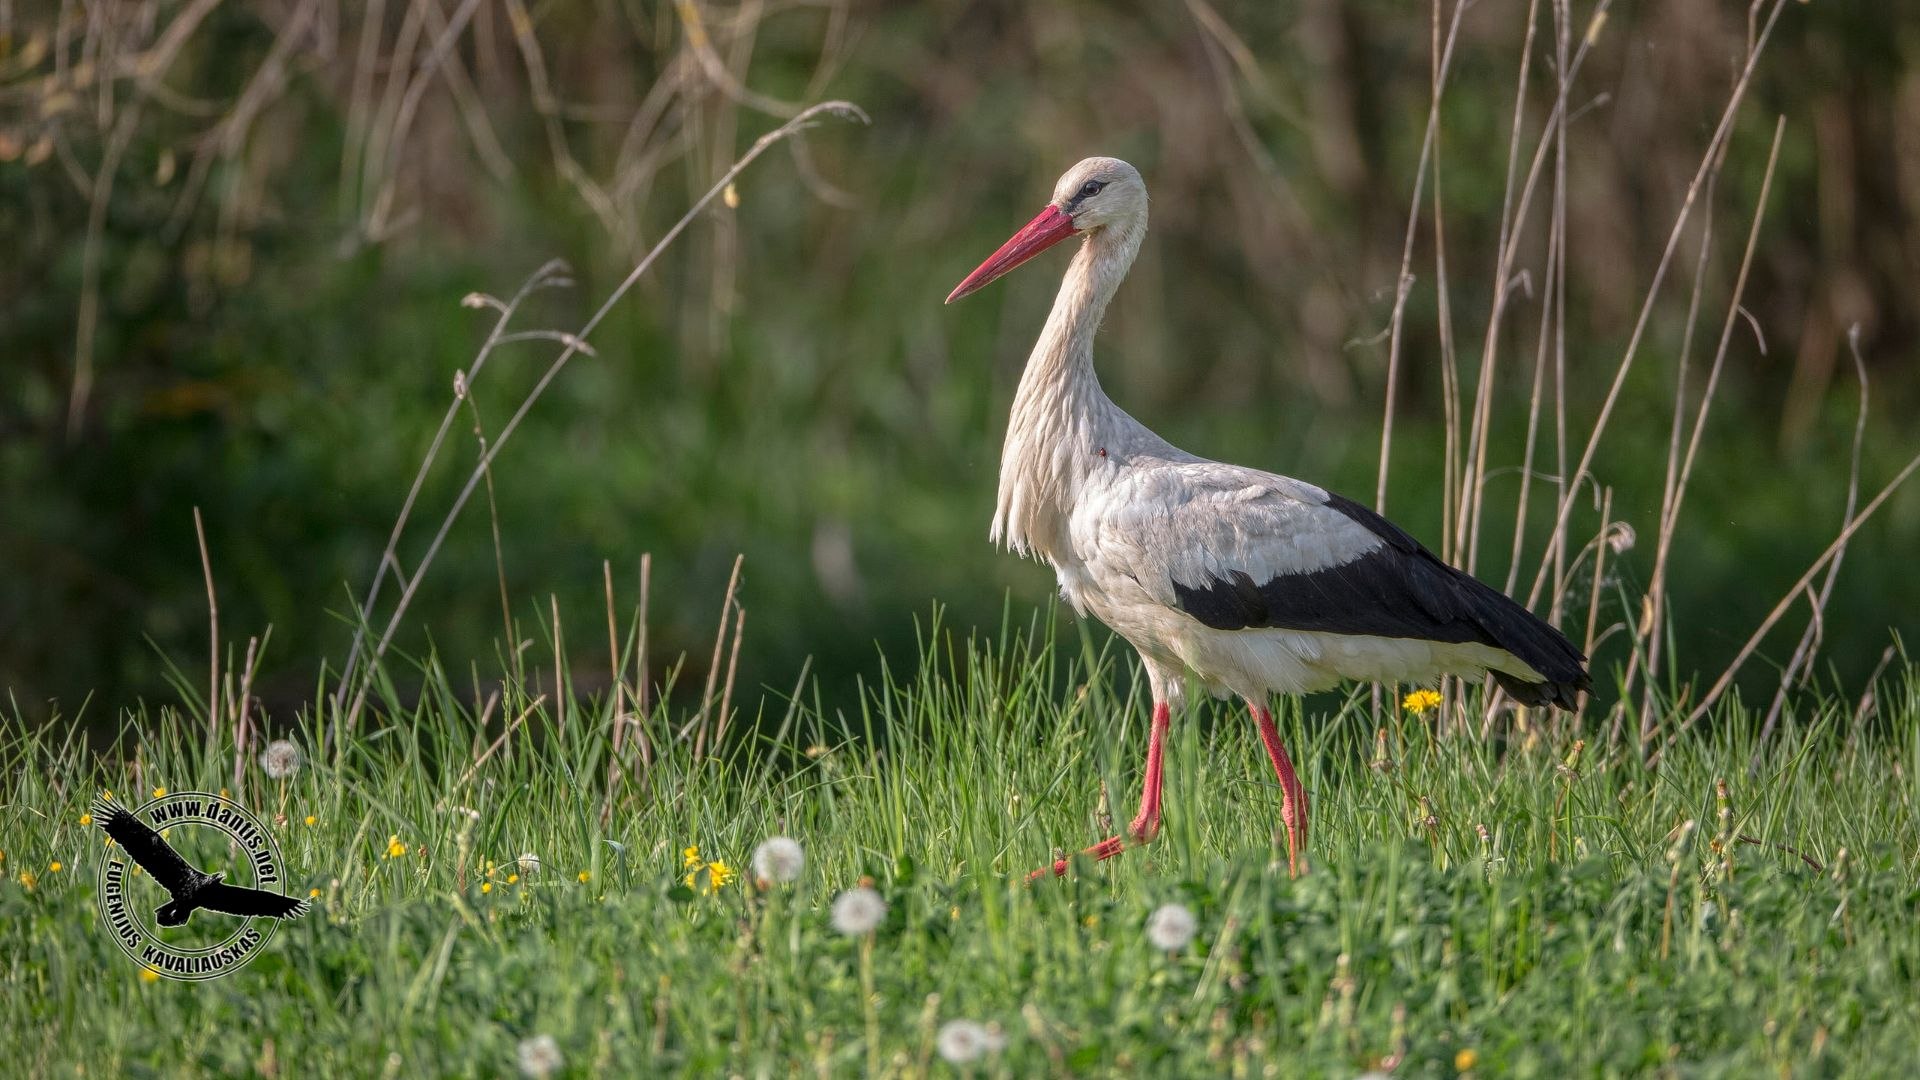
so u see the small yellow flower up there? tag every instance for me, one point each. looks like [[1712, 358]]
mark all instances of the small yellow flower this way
[[313, 894], [723, 874], [166, 834], [311, 820], [395, 849], [486, 886], [55, 868], [225, 794], [85, 820], [158, 793], [148, 974], [1468, 1058], [690, 857], [1421, 701], [108, 795], [585, 877], [27, 880], [513, 879]]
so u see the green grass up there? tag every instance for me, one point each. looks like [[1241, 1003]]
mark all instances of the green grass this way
[[1573, 936]]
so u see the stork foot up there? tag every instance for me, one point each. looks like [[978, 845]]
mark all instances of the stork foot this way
[[1100, 852]]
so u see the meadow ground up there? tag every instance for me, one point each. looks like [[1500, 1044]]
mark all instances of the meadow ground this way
[[1498, 905]]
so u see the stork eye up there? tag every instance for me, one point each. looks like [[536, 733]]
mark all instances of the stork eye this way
[[1091, 188]]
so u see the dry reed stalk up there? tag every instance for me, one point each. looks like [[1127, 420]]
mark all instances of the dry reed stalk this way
[[1722, 132], [409, 107], [213, 627], [1467, 529], [1654, 623], [713, 666], [559, 668], [808, 118], [551, 275], [617, 667], [641, 679], [1780, 609], [497, 743], [1600, 546], [1647, 644], [1404, 285], [733, 665], [1802, 658]]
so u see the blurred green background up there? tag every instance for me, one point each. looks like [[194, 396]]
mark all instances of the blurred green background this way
[[234, 237]]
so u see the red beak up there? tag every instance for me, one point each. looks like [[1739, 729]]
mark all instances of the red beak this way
[[1052, 226]]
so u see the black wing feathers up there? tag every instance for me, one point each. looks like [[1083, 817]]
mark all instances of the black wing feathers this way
[[145, 847], [1400, 590], [235, 900]]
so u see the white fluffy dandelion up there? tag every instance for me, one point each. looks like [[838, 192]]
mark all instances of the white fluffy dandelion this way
[[539, 1057], [280, 759], [858, 911], [779, 859], [963, 1041], [529, 863], [1171, 927]]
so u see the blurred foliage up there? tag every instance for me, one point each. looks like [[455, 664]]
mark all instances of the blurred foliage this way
[[237, 235]]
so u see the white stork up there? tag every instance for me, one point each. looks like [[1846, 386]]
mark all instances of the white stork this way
[[1245, 582]]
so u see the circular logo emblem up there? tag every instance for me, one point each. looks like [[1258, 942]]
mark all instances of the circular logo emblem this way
[[191, 886]]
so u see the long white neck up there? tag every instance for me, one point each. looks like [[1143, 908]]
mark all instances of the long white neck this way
[[1062, 420]]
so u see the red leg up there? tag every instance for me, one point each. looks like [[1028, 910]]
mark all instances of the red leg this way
[[1293, 797], [1146, 824]]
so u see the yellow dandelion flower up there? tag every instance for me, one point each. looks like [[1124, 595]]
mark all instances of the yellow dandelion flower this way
[[313, 894], [690, 857], [86, 820], [55, 868], [513, 879], [1465, 1059], [107, 795], [159, 793], [311, 820], [225, 794], [486, 886], [27, 880], [585, 877], [1421, 701], [148, 974], [395, 849]]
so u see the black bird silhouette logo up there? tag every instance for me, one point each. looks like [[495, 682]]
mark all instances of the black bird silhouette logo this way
[[189, 889]]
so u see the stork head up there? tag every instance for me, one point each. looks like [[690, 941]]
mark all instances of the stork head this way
[[1098, 193]]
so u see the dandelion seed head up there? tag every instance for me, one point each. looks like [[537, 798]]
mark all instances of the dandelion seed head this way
[[280, 759], [1621, 537], [1171, 927], [963, 1041], [529, 863], [779, 859], [539, 1057], [858, 911]]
